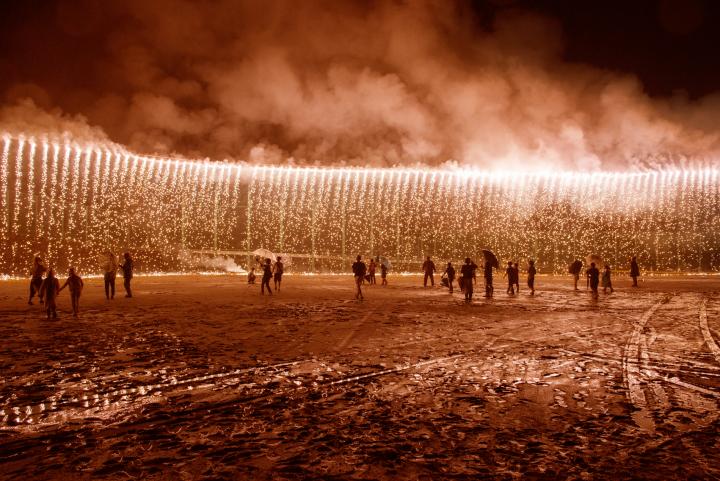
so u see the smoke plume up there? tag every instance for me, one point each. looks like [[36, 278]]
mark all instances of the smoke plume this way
[[379, 83]]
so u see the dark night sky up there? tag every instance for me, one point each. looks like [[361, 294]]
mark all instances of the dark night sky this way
[[670, 45]]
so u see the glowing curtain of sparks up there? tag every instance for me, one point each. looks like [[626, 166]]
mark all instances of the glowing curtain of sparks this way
[[72, 202]]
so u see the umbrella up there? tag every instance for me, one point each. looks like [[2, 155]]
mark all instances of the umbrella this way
[[385, 261], [575, 267], [264, 254], [490, 258], [594, 258]]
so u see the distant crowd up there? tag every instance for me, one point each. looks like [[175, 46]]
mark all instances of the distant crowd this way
[[468, 276]]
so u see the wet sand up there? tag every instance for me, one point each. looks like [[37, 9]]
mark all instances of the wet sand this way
[[200, 377]]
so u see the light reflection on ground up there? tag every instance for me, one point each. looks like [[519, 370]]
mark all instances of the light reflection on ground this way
[[202, 377]]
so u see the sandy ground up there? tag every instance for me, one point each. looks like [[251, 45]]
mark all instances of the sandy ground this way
[[200, 377]]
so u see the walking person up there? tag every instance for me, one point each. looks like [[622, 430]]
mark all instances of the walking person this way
[[516, 277], [75, 283], [450, 273], [267, 275], [278, 270], [127, 268], [606, 281], [510, 274], [359, 268], [383, 274], [593, 275], [428, 268], [531, 276], [49, 290], [467, 271], [488, 273], [371, 271], [36, 280], [110, 267], [634, 271]]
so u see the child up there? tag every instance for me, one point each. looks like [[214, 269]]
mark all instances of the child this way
[[75, 283], [606, 282], [510, 274], [371, 270], [49, 290], [251, 276]]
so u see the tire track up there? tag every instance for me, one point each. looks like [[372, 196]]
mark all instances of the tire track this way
[[631, 361], [707, 336]]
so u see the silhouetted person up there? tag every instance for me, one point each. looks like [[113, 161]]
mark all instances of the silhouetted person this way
[[531, 276], [127, 268], [267, 275], [576, 276], [49, 290], [251, 276], [606, 281], [516, 277], [450, 273], [510, 274], [110, 267], [634, 271], [593, 275], [359, 269], [467, 271], [428, 268], [488, 273], [383, 274], [36, 279], [75, 283], [371, 271], [278, 273]]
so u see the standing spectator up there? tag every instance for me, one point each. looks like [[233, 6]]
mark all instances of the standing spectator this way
[[75, 283], [634, 271], [127, 267], [516, 277], [428, 268], [531, 276], [371, 271], [359, 268], [450, 273], [110, 267], [593, 275], [383, 274], [36, 280], [267, 275], [278, 270], [49, 289], [606, 281], [510, 274], [467, 271], [488, 273]]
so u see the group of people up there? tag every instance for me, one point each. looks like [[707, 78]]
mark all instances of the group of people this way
[[269, 271], [48, 288], [468, 276], [366, 273]]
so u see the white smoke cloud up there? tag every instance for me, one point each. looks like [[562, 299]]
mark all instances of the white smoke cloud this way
[[347, 83]]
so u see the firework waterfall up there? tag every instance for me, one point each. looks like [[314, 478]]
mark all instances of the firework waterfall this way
[[72, 202]]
